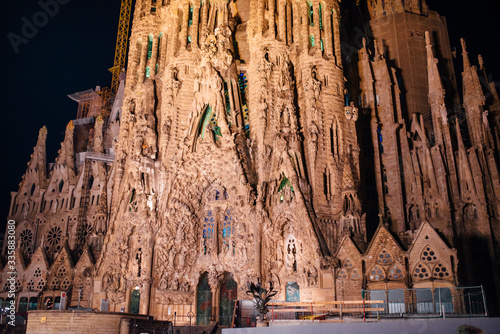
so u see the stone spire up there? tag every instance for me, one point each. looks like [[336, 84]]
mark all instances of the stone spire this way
[[436, 93], [38, 161], [474, 99], [66, 155]]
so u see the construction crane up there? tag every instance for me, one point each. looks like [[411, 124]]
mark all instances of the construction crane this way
[[121, 44]]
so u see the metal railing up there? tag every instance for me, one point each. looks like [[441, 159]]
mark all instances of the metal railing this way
[[436, 302]]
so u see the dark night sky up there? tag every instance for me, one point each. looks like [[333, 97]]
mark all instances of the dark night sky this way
[[74, 49]]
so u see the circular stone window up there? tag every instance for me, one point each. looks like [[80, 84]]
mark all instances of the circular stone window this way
[[54, 236]]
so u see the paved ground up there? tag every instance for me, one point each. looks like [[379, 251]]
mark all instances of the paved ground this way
[[420, 326]]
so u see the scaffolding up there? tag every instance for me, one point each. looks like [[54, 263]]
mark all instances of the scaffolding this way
[[92, 103]]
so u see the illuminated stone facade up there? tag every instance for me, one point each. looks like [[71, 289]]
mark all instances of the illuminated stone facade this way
[[242, 155]]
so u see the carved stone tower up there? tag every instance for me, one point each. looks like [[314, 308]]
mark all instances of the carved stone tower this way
[[237, 157]]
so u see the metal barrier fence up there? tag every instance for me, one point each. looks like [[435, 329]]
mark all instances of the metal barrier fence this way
[[437, 302], [461, 301]]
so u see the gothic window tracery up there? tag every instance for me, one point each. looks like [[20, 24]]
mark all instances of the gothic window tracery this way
[[208, 231], [65, 284], [421, 271], [31, 285], [342, 275], [395, 272], [40, 285], [440, 271], [26, 239], [348, 263], [428, 254], [61, 271], [355, 274], [54, 238], [377, 273], [55, 285], [384, 257]]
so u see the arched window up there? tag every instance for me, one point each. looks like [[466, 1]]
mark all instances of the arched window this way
[[227, 230], [32, 191], [135, 300], [23, 305], [203, 301], [61, 185], [33, 303], [208, 231]]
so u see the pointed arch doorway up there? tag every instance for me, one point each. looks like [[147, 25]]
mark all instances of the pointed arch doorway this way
[[228, 295], [203, 301], [223, 310]]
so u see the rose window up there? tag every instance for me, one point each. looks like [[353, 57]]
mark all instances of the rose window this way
[[26, 238], [54, 237], [86, 231]]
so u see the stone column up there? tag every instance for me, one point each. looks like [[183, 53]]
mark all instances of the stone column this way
[[204, 16], [184, 30], [328, 31], [260, 16], [282, 20], [194, 28], [304, 23], [315, 28], [272, 18], [146, 286], [336, 37], [289, 19]]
